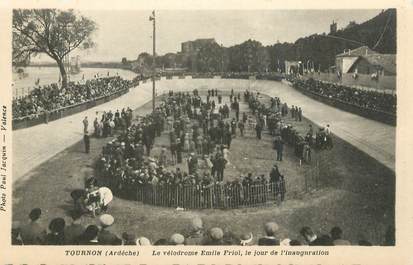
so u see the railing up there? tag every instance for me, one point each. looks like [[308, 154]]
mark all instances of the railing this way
[[214, 196], [36, 119]]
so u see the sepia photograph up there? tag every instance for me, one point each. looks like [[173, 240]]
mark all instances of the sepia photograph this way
[[204, 127]]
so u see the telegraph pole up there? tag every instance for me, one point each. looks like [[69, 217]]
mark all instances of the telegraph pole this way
[[152, 18]]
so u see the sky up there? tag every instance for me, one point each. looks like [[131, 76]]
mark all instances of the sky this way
[[126, 33]]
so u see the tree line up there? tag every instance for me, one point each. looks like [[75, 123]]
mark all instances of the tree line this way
[[316, 51]]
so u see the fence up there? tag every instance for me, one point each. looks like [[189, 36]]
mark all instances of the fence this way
[[319, 171], [215, 196], [29, 121]]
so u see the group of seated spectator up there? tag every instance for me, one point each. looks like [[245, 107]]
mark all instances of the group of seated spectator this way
[[51, 97], [60, 232], [368, 99]]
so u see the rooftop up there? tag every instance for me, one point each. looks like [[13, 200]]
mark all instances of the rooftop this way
[[360, 51]]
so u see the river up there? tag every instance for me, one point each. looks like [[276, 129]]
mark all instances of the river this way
[[48, 75]]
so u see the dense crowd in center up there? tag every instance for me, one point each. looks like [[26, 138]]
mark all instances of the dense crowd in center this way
[[203, 130]]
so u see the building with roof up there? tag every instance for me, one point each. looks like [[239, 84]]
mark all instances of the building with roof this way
[[190, 50], [190, 47], [363, 60]]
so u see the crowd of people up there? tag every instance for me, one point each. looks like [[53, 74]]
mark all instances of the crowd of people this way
[[273, 118], [61, 232], [201, 131], [51, 97], [369, 99]]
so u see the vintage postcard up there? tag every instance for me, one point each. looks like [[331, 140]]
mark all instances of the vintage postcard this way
[[205, 132]]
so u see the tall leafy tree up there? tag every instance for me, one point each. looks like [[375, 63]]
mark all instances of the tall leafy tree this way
[[210, 58], [52, 32]]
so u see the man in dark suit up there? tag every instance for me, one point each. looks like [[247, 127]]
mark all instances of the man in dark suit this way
[[74, 230], [279, 147], [106, 237], [86, 140], [219, 164], [275, 174], [258, 129], [269, 240], [90, 236], [192, 164], [33, 233]]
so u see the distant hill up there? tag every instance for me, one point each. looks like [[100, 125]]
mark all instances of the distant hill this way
[[378, 33]]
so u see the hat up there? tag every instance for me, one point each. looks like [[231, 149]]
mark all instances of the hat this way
[[128, 236], [177, 239], [196, 224], [57, 225], [35, 214], [246, 239], [285, 242], [91, 232], [143, 241], [336, 232], [270, 228], [216, 233], [106, 220]]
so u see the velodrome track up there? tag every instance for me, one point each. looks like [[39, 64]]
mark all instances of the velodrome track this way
[[35, 145]]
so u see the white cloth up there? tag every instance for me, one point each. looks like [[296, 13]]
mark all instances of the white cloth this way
[[226, 153], [106, 195]]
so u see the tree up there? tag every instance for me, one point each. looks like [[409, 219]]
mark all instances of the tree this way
[[209, 57], [144, 63], [263, 59], [52, 32]]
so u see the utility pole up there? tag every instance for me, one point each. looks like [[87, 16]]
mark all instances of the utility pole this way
[[152, 18]]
